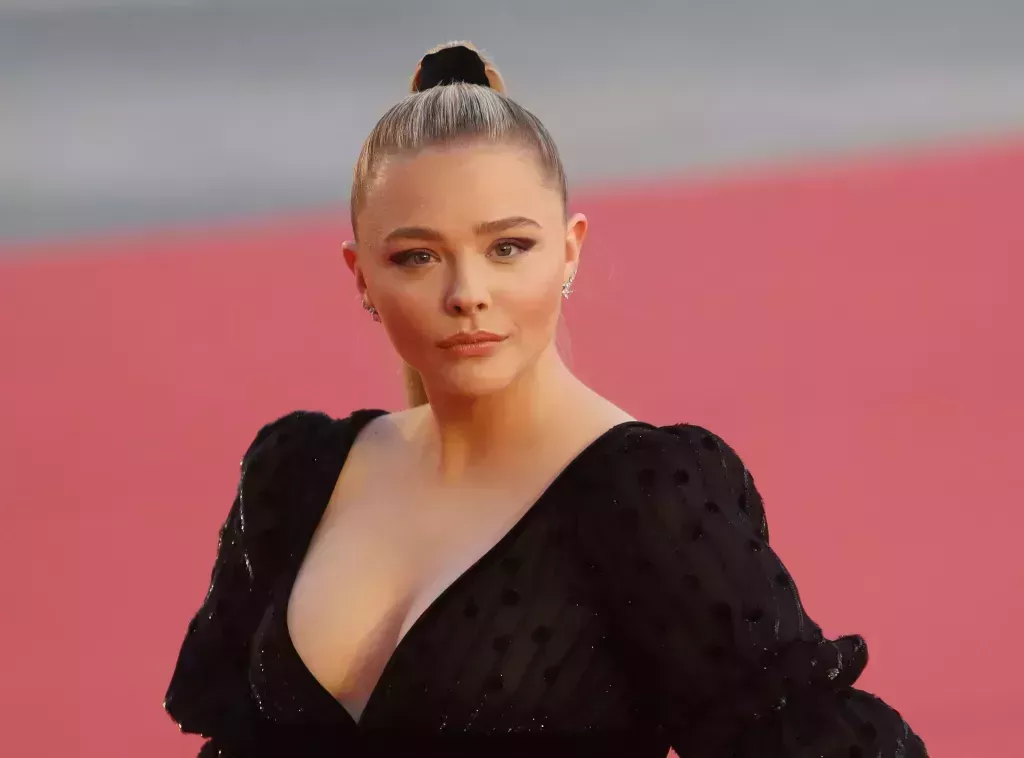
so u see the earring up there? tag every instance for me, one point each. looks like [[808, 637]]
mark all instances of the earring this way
[[372, 311], [567, 286]]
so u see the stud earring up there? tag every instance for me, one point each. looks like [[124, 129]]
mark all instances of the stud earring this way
[[372, 311], [567, 286]]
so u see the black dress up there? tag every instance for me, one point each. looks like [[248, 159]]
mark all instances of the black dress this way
[[636, 606]]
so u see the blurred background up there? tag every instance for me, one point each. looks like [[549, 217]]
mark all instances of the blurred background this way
[[807, 231]]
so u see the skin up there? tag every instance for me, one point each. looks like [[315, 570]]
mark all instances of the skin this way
[[466, 269], [498, 428]]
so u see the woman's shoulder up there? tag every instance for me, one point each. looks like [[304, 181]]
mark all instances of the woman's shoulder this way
[[649, 446], [292, 425], [677, 469], [300, 430], [290, 468], [301, 446]]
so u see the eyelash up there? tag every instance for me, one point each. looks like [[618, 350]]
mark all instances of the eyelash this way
[[524, 246], [405, 257]]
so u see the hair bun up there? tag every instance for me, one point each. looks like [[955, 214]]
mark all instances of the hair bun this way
[[453, 63]]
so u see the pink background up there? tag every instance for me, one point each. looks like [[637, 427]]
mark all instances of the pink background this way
[[853, 330]]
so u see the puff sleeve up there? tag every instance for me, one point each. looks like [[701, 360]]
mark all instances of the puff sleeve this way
[[708, 621], [209, 690]]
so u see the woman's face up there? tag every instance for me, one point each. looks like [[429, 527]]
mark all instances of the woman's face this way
[[454, 242]]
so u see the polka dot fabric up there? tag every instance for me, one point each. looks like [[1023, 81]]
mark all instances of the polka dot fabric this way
[[708, 618], [636, 606]]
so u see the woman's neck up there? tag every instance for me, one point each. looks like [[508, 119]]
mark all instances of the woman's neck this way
[[463, 435]]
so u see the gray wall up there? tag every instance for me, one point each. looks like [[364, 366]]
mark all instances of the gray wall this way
[[116, 115]]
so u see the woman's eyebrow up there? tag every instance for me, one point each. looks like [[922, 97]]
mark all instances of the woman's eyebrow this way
[[486, 227], [500, 225]]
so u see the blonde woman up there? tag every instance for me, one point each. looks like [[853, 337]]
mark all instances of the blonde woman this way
[[512, 565]]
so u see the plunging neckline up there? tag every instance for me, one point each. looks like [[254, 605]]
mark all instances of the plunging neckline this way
[[356, 423]]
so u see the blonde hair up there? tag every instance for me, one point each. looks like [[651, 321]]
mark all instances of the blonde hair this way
[[457, 96]]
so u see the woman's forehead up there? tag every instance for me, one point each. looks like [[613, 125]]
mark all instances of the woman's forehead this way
[[462, 186]]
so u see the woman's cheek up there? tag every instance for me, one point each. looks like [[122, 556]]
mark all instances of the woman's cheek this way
[[535, 310], [409, 324]]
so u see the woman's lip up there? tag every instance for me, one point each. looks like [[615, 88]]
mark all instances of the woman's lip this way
[[474, 349], [465, 339]]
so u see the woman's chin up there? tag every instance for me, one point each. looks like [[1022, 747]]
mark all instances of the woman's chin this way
[[476, 379]]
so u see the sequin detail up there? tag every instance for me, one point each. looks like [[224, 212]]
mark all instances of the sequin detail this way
[[647, 560]]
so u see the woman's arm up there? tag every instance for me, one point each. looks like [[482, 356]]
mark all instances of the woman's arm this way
[[709, 621], [209, 689]]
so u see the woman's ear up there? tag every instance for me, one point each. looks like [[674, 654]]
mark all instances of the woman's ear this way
[[575, 233], [348, 249]]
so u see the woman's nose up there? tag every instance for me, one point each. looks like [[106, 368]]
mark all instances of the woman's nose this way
[[468, 293]]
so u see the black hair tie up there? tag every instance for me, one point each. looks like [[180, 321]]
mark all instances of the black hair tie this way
[[451, 65]]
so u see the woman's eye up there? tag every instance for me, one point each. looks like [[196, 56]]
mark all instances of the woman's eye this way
[[511, 248], [413, 258]]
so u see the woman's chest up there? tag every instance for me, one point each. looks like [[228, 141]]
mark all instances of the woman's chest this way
[[373, 569], [501, 640]]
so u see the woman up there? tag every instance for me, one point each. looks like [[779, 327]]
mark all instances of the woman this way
[[513, 564]]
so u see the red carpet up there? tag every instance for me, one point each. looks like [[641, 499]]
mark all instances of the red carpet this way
[[854, 331]]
